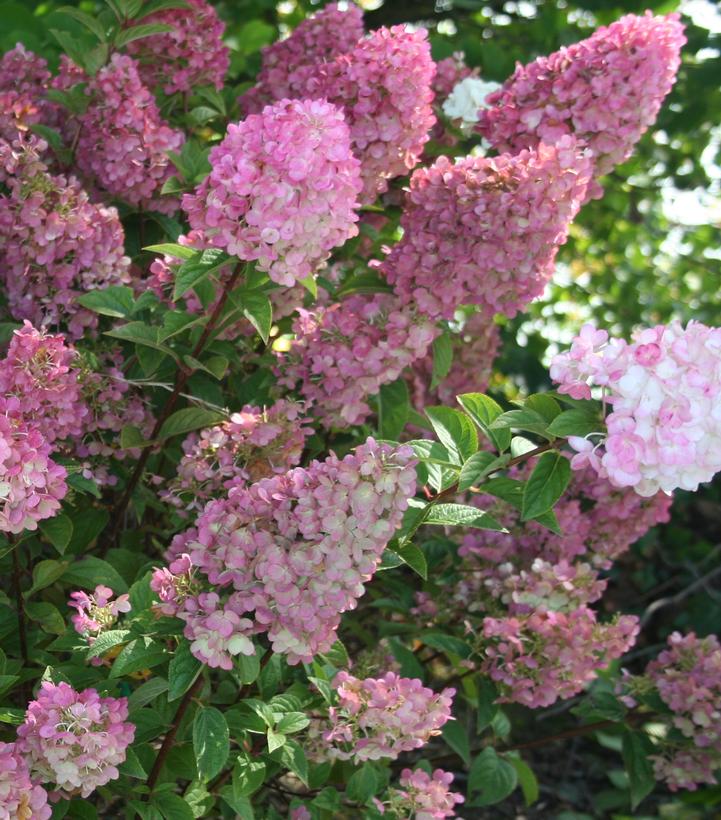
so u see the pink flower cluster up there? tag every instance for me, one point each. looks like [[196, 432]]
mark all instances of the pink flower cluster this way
[[24, 77], [292, 552], [74, 740], [98, 611], [474, 350], [32, 485], [289, 64], [39, 373], [423, 796], [606, 91], [282, 190], [382, 717], [664, 428], [486, 231], [537, 658], [253, 444], [19, 798], [123, 143], [54, 243], [345, 352], [687, 676], [192, 54]]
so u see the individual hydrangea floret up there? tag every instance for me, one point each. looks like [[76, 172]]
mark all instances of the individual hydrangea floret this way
[[74, 740], [254, 443], [424, 796], [606, 91], [20, 799], [192, 54], [98, 610], [486, 231], [289, 64], [32, 485], [55, 244], [345, 352], [282, 191], [40, 373], [380, 718], [664, 428], [123, 143]]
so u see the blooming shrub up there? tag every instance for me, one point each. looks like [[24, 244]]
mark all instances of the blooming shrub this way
[[293, 522]]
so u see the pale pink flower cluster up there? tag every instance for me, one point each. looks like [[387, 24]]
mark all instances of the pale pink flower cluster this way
[[55, 244], [288, 554], [289, 64], [343, 353], [424, 796], [123, 143], [254, 443], [382, 717], [282, 191], [24, 78], [687, 676], [537, 658], [192, 54], [664, 428], [32, 485], [486, 231], [74, 740], [474, 350], [605, 90], [96, 611], [20, 799]]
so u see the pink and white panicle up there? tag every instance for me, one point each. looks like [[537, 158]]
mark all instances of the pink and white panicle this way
[[97, 611], [74, 740], [32, 485], [486, 231], [606, 91], [289, 64], [40, 373], [664, 428], [123, 142], [288, 554], [346, 352], [282, 191], [20, 799], [382, 717], [192, 54], [424, 796], [55, 244], [253, 444]]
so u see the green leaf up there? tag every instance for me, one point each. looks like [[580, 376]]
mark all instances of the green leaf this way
[[522, 420], [138, 32], [492, 776], [46, 573], [454, 430], [58, 531], [292, 722], [275, 740], [141, 334], [446, 643], [546, 485], [247, 668], [457, 738], [293, 758], [636, 750], [189, 419], [198, 268], [184, 668], [486, 706], [413, 556], [172, 249], [248, 775], [393, 407], [442, 359], [139, 654], [527, 780], [72, 47], [47, 616], [132, 767], [86, 20], [575, 423], [257, 309], [116, 301], [363, 784], [154, 6], [172, 807], [543, 404], [92, 571], [462, 515], [211, 741], [131, 437], [484, 411], [478, 466], [147, 692]]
